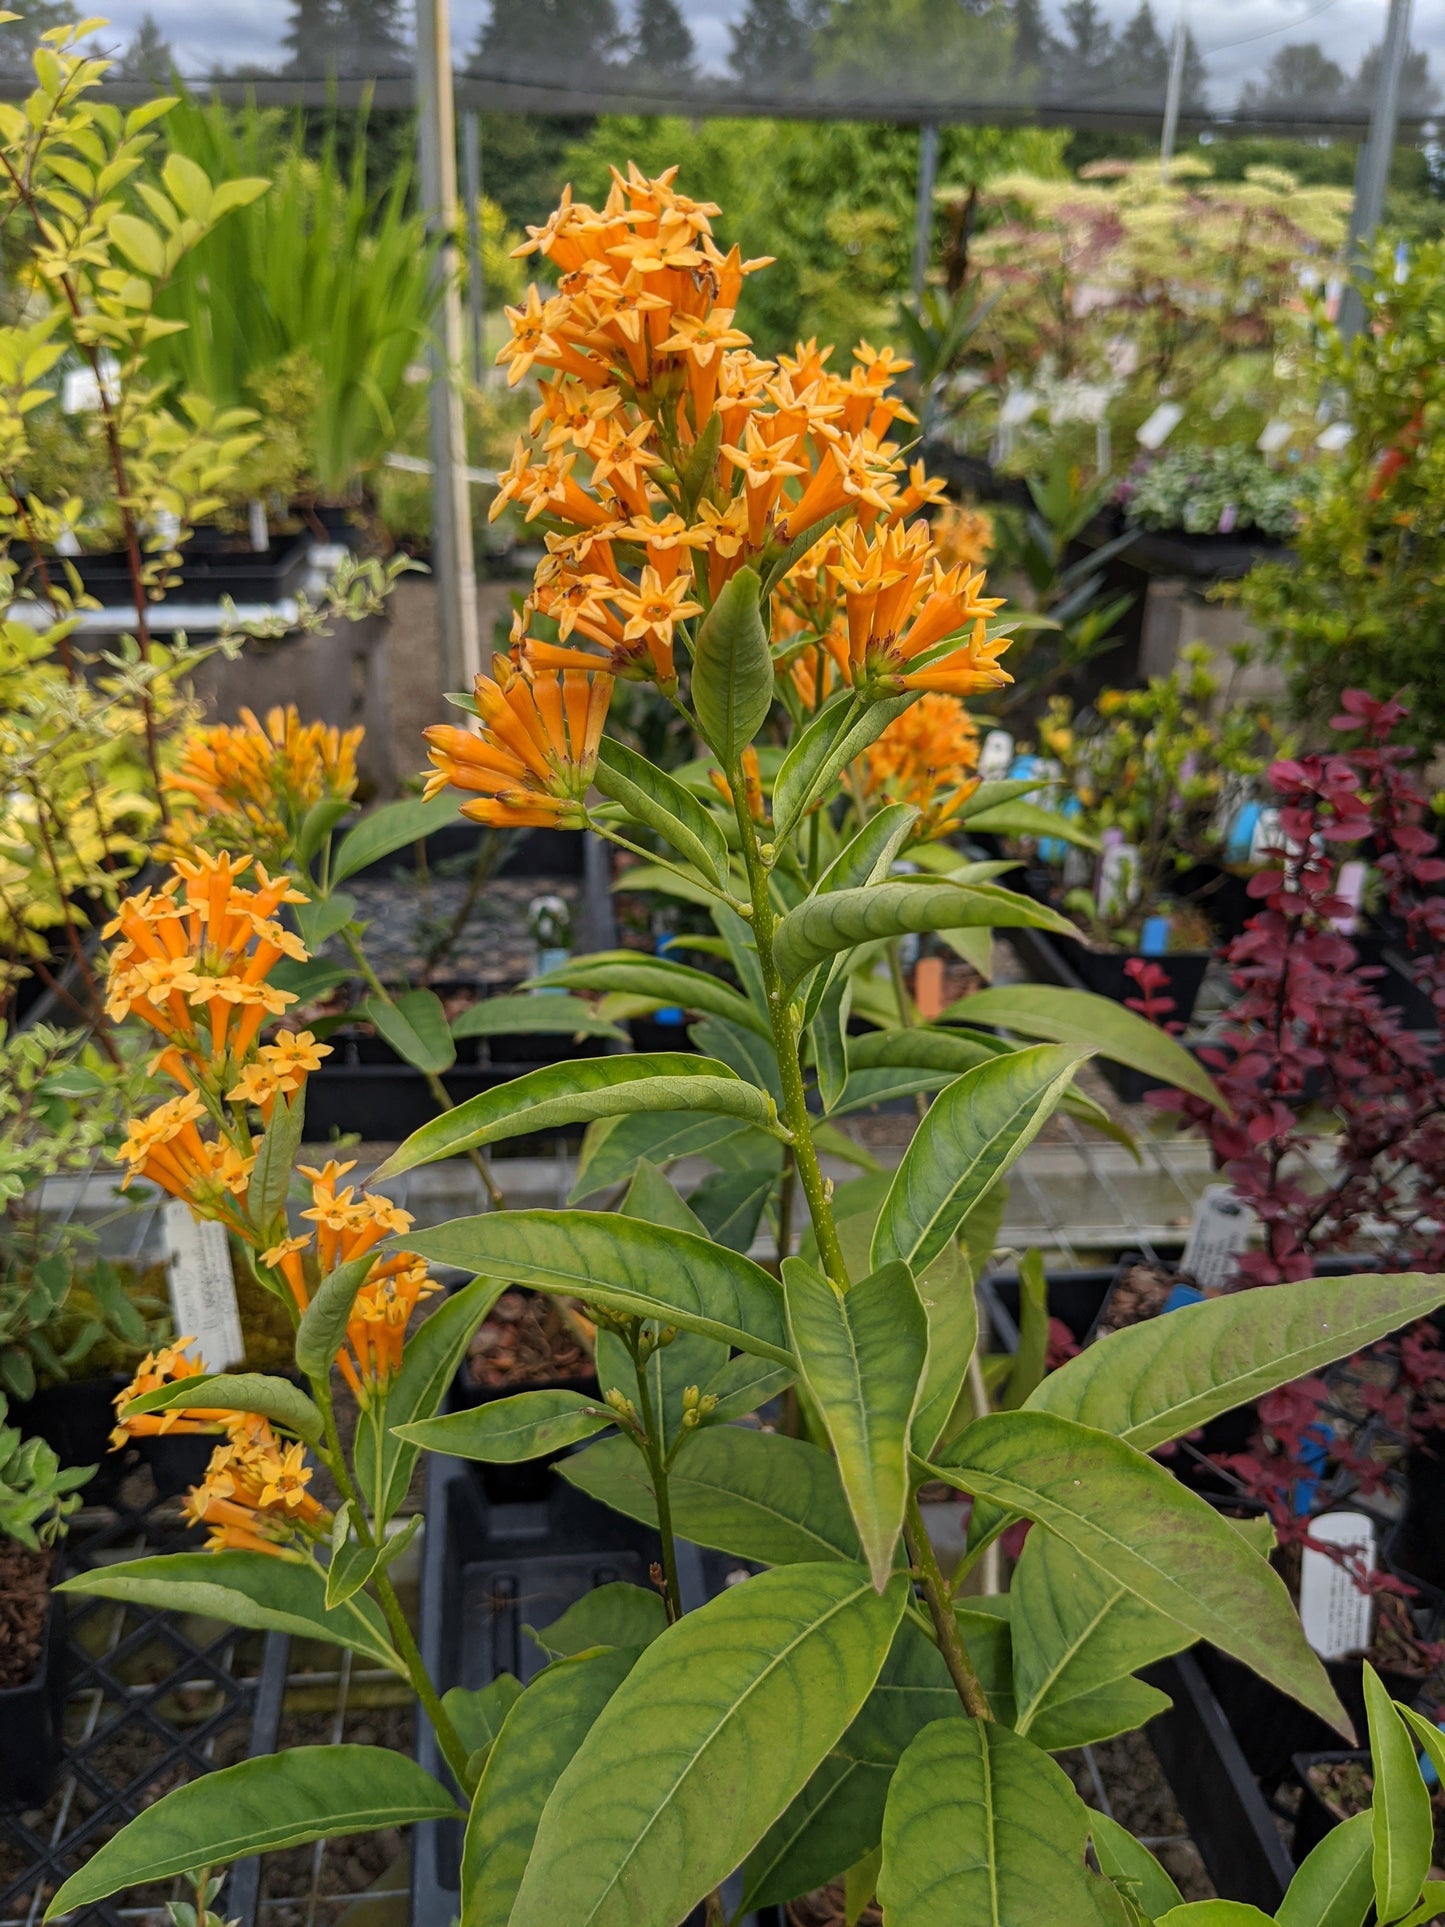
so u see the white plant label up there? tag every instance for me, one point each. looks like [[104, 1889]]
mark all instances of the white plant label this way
[[1154, 432], [1218, 1233], [1118, 879], [1334, 1612], [203, 1287], [995, 755]]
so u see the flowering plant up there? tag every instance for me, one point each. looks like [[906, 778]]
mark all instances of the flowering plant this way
[[626, 1783]]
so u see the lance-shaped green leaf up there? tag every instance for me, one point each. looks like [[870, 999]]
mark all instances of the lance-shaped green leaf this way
[[661, 803], [757, 1495], [1076, 1629], [274, 1398], [353, 1564], [576, 1093], [612, 1615], [841, 730], [868, 856], [820, 927], [535, 1013], [1131, 1518], [1403, 1835], [982, 1827], [322, 919], [260, 1806], [1129, 1863], [973, 1132], [477, 1714], [779, 562], [614, 1147], [540, 1735], [247, 1589], [808, 1639], [1031, 1360], [1214, 1913], [743, 1384], [505, 1431], [829, 1031], [275, 1160], [1157, 1380], [730, 1204], [658, 978], [391, 828], [732, 668], [947, 1295], [384, 1462], [1029, 819], [322, 1330], [622, 1266], [1335, 1885], [1088, 1022], [414, 1023], [861, 1355]]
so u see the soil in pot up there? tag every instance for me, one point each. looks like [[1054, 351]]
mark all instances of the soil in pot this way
[[825, 1909], [1337, 1786], [24, 1603], [31, 1675]]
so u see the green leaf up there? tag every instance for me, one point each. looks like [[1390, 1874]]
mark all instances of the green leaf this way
[[614, 1147], [756, 1495], [259, 1806], [749, 1053], [535, 1014], [664, 806], [971, 1135], [819, 927], [860, 1355], [1214, 1913], [1032, 1357], [322, 919], [576, 1093], [654, 1200], [1133, 1520], [252, 1589], [780, 562], [505, 1431], [982, 1827], [477, 1713], [1028, 819], [860, 1884], [384, 1462], [1335, 1885], [391, 828], [274, 1398], [758, 1684], [139, 242], [322, 1331], [1076, 1629], [353, 1565], [1128, 1863], [622, 1266], [612, 1615], [317, 824], [659, 978], [541, 1734], [414, 1023], [1157, 1380], [829, 1031], [946, 1291], [275, 1161], [732, 669], [841, 730], [308, 981], [1088, 1022], [1403, 1825], [1119, 1706], [730, 1205], [1427, 1735], [743, 1385], [1431, 1907]]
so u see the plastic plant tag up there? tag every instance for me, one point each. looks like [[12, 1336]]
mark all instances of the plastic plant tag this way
[[1218, 1232], [1118, 879], [1156, 430], [1350, 884], [995, 755], [1273, 436], [202, 1287], [1333, 1610], [1154, 937]]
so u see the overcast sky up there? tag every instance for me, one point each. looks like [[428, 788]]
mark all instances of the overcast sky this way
[[1237, 36]]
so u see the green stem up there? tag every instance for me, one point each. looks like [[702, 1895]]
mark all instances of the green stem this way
[[448, 1739], [657, 1466], [440, 1094], [785, 1044], [940, 1608]]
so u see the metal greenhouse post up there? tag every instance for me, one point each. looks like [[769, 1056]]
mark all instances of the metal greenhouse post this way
[[476, 282], [452, 560], [1373, 174], [923, 215]]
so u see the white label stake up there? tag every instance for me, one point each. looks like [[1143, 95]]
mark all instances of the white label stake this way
[[203, 1287], [1218, 1233], [1333, 1610]]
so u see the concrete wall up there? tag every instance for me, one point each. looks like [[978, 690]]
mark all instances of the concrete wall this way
[[1175, 615]]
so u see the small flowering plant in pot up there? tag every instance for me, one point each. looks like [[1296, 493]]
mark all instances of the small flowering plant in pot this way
[[684, 483]]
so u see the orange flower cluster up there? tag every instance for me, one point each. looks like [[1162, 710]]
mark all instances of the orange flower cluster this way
[[254, 1495], [663, 456], [249, 785], [927, 757], [963, 535], [164, 1367], [533, 762]]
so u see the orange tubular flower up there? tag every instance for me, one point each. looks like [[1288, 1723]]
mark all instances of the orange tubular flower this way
[[172, 1363], [893, 619], [167, 1148], [251, 784], [927, 757], [752, 785], [532, 763], [376, 1330], [254, 1495]]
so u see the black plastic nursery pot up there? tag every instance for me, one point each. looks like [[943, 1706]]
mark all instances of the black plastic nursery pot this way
[[31, 1719], [213, 564], [76, 1419], [1316, 1815], [1271, 1728]]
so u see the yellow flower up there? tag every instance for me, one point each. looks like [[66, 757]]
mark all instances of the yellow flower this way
[[252, 784], [532, 762]]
